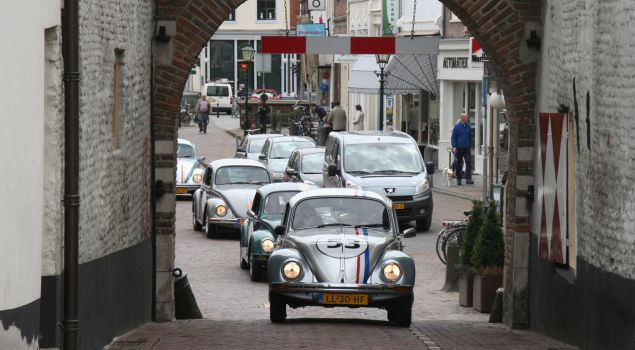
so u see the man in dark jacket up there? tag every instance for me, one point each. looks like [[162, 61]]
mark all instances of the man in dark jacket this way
[[461, 147]]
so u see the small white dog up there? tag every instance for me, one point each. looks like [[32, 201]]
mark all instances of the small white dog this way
[[448, 175]]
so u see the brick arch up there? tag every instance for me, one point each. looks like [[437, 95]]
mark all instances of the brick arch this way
[[189, 24], [501, 26]]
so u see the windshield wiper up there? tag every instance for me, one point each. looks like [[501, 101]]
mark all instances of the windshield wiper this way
[[394, 172], [360, 172], [333, 224], [278, 158]]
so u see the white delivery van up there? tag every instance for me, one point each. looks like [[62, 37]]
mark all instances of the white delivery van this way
[[220, 96]]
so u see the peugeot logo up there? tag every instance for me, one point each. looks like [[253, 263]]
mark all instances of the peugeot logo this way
[[390, 190]]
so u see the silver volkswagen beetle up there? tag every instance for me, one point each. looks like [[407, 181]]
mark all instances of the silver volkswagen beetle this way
[[226, 193], [341, 247], [189, 168]]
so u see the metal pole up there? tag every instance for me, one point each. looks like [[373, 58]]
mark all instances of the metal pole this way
[[381, 98], [246, 122], [71, 171]]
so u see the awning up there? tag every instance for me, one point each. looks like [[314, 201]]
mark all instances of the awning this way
[[411, 73], [362, 78]]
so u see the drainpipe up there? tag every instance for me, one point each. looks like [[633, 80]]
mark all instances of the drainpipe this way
[[153, 205], [70, 41]]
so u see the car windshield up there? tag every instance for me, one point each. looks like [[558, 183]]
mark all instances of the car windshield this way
[[255, 145], [352, 212], [282, 150], [275, 203], [382, 158], [217, 90], [241, 175], [312, 163], [185, 151]]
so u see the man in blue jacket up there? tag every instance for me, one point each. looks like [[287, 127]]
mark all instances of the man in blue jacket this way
[[461, 147]]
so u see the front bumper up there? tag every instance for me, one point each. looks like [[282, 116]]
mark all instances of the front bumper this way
[[420, 207], [312, 294], [232, 222], [186, 189]]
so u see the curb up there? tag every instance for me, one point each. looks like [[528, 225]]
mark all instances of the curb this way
[[455, 194]]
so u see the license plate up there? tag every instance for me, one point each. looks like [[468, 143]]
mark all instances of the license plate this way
[[181, 190], [399, 205], [211, 100], [344, 299]]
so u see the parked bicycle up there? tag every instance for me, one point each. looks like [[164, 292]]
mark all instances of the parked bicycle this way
[[452, 232]]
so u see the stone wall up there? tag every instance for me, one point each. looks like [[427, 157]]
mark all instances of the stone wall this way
[[114, 183]]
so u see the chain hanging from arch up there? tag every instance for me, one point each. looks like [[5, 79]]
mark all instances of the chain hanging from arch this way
[[286, 20], [414, 11]]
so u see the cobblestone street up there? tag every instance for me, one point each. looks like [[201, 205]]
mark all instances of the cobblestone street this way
[[236, 309]]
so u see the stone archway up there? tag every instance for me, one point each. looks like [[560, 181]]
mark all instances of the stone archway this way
[[501, 26]]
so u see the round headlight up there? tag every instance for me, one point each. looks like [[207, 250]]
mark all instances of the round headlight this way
[[221, 210], [197, 178], [392, 272], [266, 245], [291, 270]]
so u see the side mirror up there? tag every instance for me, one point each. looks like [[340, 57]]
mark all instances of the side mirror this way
[[280, 230], [241, 154], [430, 168], [331, 169], [200, 159], [410, 232], [291, 172], [251, 214], [262, 157]]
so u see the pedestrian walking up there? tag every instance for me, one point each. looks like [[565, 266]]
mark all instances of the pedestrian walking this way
[[202, 112], [336, 118], [263, 114], [358, 119], [461, 147]]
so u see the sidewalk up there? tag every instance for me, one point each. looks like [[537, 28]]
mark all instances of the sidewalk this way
[[330, 334]]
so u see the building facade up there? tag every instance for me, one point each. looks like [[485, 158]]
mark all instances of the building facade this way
[[221, 57], [115, 250]]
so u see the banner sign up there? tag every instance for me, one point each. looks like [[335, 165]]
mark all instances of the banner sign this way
[[350, 59], [390, 15], [477, 56], [315, 29], [317, 5]]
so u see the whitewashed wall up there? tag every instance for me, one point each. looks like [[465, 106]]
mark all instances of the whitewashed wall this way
[[592, 41]]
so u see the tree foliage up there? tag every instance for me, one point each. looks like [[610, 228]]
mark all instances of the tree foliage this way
[[471, 233], [489, 249]]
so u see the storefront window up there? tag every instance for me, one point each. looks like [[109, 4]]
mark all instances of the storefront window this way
[[271, 80], [221, 60]]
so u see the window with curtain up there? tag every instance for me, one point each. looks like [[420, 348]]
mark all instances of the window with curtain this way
[[266, 10]]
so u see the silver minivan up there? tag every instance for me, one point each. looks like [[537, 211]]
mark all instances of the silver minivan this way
[[388, 163]]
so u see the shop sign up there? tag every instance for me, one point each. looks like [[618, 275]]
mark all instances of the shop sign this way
[[390, 15], [350, 59], [313, 29], [455, 62], [477, 57]]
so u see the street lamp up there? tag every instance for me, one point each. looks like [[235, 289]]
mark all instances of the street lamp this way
[[382, 61], [248, 57]]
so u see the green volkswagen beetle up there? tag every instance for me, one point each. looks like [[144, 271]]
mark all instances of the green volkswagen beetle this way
[[257, 237]]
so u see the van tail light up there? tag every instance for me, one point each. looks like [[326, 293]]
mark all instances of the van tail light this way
[[231, 100]]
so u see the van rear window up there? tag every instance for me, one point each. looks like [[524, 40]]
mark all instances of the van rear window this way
[[217, 91]]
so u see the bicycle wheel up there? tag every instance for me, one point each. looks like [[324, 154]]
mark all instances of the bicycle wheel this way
[[455, 235], [440, 245]]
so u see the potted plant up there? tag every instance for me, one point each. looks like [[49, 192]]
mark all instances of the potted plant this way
[[466, 271], [487, 259]]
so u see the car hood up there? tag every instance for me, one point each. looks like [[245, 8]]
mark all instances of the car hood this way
[[341, 254], [238, 197], [184, 169], [315, 178], [278, 165]]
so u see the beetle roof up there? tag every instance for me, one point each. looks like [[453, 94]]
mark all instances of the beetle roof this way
[[284, 186], [338, 192], [262, 136], [237, 162], [291, 138], [185, 142], [310, 150]]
